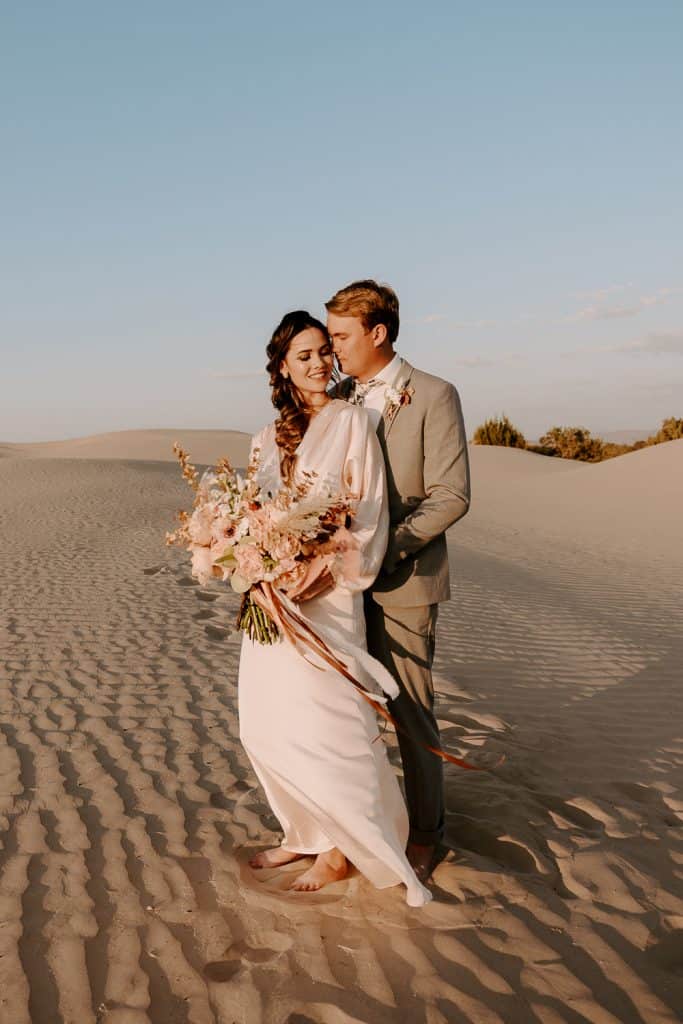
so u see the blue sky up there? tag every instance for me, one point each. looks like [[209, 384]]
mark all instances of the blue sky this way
[[175, 177]]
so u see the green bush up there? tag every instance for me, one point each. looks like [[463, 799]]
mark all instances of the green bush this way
[[501, 432]]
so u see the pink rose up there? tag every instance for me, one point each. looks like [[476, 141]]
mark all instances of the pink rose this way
[[199, 527], [202, 563], [289, 579], [284, 568], [249, 562], [259, 525], [221, 547], [283, 546]]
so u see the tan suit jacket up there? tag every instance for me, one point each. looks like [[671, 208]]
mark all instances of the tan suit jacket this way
[[428, 480]]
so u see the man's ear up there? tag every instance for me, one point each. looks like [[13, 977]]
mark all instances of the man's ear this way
[[379, 335]]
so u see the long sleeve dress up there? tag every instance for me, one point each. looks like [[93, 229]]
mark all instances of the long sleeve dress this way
[[311, 737]]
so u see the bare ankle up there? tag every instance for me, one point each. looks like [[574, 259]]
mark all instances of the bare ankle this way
[[333, 858]]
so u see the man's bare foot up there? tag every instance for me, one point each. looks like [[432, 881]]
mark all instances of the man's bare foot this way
[[330, 866], [422, 860], [274, 858]]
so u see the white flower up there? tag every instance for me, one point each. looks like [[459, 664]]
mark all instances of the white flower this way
[[396, 397], [242, 528]]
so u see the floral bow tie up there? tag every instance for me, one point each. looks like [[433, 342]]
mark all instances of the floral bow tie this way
[[361, 391]]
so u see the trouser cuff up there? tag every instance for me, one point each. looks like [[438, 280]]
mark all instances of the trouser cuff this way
[[421, 838]]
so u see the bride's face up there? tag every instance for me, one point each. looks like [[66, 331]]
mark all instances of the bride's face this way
[[309, 362]]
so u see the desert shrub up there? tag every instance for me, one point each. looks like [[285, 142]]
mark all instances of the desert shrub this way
[[610, 449], [541, 449], [501, 432], [572, 443], [670, 430]]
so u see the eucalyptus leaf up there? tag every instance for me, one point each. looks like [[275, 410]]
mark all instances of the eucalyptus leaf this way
[[239, 584], [225, 559]]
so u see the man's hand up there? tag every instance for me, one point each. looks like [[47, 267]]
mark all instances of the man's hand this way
[[316, 581]]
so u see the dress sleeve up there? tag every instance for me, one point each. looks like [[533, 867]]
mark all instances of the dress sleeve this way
[[257, 441], [364, 477]]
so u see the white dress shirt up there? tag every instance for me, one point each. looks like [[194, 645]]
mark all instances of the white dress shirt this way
[[376, 397]]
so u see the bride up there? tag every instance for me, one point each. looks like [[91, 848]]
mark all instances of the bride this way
[[311, 737]]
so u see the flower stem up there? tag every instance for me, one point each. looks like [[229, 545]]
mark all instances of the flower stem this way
[[255, 622]]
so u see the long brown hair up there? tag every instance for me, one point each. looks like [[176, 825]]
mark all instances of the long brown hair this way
[[294, 417]]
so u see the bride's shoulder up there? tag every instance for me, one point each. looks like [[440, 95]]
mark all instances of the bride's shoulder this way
[[263, 435], [346, 409], [354, 415]]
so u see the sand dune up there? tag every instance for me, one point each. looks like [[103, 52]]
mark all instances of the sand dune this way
[[626, 508], [205, 446], [128, 810]]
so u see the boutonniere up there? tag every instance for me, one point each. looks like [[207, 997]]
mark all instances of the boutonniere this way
[[396, 398]]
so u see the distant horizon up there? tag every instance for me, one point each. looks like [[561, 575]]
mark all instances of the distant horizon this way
[[621, 435]]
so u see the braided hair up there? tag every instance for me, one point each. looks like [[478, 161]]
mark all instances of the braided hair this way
[[292, 423]]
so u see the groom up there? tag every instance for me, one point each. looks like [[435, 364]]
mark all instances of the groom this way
[[420, 428]]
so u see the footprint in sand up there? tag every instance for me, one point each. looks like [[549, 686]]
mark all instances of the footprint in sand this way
[[205, 595], [505, 850], [238, 956], [155, 570], [217, 633], [201, 616], [187, 581]]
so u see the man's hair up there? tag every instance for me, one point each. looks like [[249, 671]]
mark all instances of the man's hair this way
[[371, 302]]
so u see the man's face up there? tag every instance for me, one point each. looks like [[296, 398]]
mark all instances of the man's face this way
[[354, 346]]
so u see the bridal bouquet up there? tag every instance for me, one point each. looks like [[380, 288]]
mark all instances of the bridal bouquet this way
[[261, 543]]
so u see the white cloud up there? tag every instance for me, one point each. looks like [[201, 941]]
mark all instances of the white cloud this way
[[479, 362], [475, 362], [458, 325], [667, 343], [661, 295], [598, 294], [473, 325], [604, 312]]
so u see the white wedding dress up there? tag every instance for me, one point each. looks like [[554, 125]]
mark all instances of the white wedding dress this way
[[312, 739]]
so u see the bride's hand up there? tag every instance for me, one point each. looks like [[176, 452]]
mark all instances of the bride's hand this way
[[316, 581]]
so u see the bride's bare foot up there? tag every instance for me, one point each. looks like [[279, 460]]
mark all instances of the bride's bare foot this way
[[274, 858], [330, 866]]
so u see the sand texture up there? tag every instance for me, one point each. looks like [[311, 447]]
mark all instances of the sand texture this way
[[128, 810]]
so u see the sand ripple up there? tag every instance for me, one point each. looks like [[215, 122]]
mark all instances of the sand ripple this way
[[128, 810]]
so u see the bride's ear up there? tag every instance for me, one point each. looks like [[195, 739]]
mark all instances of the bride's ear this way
[[284, 372]]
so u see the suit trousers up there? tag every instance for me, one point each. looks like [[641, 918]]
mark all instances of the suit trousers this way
[[403, 639]]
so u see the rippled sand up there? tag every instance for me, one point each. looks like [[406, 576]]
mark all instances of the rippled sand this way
[[128, 811]]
